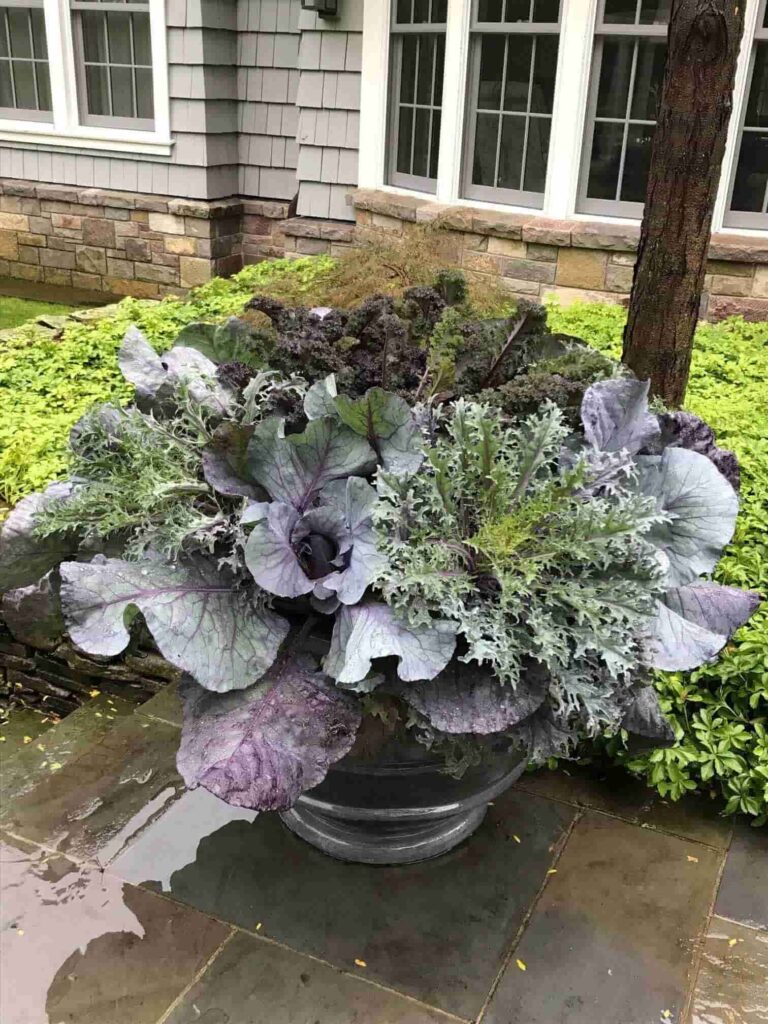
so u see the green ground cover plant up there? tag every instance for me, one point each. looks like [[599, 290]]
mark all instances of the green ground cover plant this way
[[719, 712]]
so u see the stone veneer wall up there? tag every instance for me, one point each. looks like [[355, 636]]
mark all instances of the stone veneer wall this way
[[570, 260], [124, 243]]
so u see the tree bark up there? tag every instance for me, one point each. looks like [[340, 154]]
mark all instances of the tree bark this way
[[688, 147]]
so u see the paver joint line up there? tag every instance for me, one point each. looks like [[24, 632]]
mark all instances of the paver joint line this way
[[700, 943], [197, 977], [507, 960]]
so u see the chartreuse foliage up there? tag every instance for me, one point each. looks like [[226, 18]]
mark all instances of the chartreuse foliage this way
[[47, 382], [719, 711]]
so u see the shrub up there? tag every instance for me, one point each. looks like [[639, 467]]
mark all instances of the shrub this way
[[720, 712]]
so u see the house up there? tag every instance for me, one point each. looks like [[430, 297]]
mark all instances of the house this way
[[146, 145]]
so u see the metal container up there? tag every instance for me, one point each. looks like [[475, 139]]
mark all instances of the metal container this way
[[401, 806]]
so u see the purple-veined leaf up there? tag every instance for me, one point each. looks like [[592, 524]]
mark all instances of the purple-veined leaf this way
[[615, 415], [24, 556], [468, 698], [200, 622], [320, 400], [645, 720], [371, 630], [262, 747], [701, 508], [225, 462], [694, 623], [388, 423], [357, 499], [294, 469]]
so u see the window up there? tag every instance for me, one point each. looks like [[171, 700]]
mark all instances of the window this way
[[90, 74], [749, 191], [25, 81], [627, 77], [113, 55], [418, 62], [512, 71]]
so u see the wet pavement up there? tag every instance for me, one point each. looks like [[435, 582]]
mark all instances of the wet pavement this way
[[127, 900]]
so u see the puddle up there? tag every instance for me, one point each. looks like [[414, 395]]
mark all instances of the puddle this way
[[732, 986]]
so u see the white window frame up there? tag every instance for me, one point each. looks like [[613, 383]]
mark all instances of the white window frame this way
[[66, 128], [577, 30]]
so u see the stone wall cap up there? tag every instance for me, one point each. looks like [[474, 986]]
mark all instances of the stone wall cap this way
[[311, 227], [106, 197], [738, 248], [272, 209]]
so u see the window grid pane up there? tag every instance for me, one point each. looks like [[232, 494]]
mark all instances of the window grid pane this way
[[627, 80], [513, 98], [115, 60], [418, 65], [750, 184], [24, 72]]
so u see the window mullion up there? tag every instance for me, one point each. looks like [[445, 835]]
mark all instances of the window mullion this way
[[627, 116], [61, 66], [568, 112], [454, 103]]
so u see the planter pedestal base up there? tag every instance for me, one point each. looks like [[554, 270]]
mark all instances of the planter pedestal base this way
[[382, 842], [400, 808]]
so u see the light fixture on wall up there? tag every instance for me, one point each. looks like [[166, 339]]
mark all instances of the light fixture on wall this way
[[325, 8]]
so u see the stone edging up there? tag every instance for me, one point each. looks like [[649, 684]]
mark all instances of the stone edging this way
[[541, 230]]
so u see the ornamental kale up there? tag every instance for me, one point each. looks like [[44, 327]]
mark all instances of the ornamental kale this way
[[360, 484]]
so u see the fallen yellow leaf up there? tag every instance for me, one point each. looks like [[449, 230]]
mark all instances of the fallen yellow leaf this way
[[732, 942], [55, 766], [19, 931], [552, 871], [521, 965], [94, 693], [516, 838], [258, 927], [693, 860], [27, 739], [41, 747], [360, 963]]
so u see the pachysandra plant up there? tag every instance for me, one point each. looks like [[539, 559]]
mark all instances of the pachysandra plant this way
[[488, 573]]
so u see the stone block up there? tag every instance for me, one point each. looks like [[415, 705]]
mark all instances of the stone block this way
[[13, 187], [41, 225], [88, 282], [542, 253], [165, 259], [180, 245], [137, 249], [229, 265], [140, 216], [197, 228], [519, 286], [126, 229], [99, 232], [14, 222], [567, 296], [254, 224], [62, 244], [120, 268], [529, 270], [70, 209], [138, 289], [9, 245], [151, 204], [57, 259], [481, 263], [760, 285], [298, 227], [503, 225], [56, 192], [468, 240], [547, 232], [67, 221], [25, 272], [106, 198], [386, 222], [738, 248], [90, 260], [337, 232], [113, 213], [194, 271], [579, 268], [618, 279], [622, 259], [722, 285], [30, 238], [158, 275], [19, 204], [598, 235], [730, 268], [29, 254], [312, 246], [340, 248], [166, 223], [387, 204], [52, 275], [266, 208]]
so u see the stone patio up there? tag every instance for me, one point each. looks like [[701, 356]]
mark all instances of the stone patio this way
[[127, 900]]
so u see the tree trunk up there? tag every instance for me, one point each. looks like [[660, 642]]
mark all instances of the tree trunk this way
[[688, 147]]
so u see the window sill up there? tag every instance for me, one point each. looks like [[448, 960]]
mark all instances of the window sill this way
[[84, 138]]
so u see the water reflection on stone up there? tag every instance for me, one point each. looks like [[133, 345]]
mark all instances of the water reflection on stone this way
[[79, 946], [732, 986]]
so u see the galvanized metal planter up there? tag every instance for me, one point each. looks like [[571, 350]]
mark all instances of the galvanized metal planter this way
[[399, 808]]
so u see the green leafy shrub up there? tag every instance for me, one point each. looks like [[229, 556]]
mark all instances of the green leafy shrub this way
[[720, 712], [48, 382]]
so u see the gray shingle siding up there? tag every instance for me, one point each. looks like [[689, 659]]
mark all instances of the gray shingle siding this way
[[264, 102]]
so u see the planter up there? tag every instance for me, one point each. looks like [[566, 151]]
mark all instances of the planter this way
[[399, 808]]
